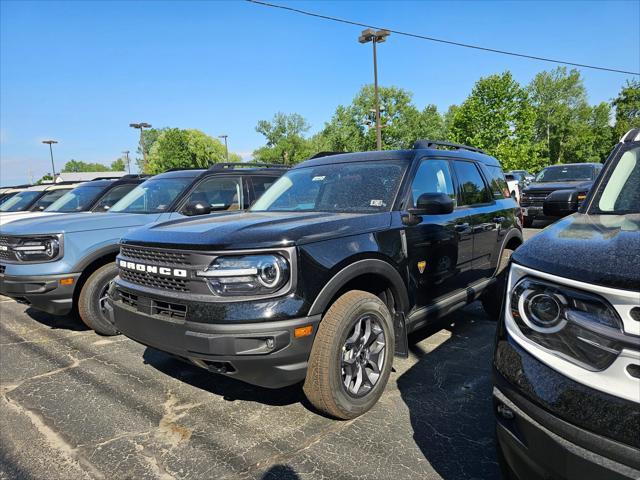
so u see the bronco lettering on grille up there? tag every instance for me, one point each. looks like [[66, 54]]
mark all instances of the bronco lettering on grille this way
[[164, 271]]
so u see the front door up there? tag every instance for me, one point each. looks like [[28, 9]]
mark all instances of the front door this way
[[439, 247]]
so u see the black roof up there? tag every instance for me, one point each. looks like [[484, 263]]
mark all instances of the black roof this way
[[223, 169], [424, 148]]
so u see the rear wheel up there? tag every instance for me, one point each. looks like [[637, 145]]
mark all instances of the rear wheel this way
[[351, 357], [93, 298]]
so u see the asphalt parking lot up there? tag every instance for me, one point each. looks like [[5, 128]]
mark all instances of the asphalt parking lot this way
[[75, 405]]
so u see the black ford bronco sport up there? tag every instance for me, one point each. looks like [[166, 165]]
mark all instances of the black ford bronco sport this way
[[322, 279], [567, 357]]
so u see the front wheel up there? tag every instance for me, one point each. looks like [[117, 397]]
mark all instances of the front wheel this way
[[93, 297], [351, 357]]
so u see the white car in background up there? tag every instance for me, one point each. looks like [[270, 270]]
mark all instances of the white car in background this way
[[514, 186]]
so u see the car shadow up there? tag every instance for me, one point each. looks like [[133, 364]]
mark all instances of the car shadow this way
[[65, 322], [448, 393], [226, 387]]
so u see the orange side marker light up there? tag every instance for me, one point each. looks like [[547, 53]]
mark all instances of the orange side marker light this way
[[303, 331]]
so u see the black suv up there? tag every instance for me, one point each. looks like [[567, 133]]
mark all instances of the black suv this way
[[567, 357], [322, 279], [577, 177]]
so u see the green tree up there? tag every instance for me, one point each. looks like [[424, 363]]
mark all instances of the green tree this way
[[352, 127], [80, 166], [498, 117], [568, 129], [627, 105], [118, 165], [177, 148], [285, 140], [149, 138]]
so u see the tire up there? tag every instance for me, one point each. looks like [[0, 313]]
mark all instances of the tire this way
[[324, 385], [492, 297], [89, 300], [527, 222]]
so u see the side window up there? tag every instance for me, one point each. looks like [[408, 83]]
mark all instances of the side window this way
[[261, 184], [112, 196], [222, 193], [433, 176], [497, 184], [472, 187], [47, 199]]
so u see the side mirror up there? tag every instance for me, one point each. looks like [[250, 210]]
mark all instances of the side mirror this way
[[561, 203], [433, 204], [196, 208]]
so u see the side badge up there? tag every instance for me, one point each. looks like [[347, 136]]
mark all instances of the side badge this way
[[421, 266]]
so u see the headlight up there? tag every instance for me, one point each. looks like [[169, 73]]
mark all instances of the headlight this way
[[578, 326], [36, 249], [247, 275]]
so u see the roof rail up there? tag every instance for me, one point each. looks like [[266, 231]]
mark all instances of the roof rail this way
[[225, 165], [632, 135], [324, 154], [439, 143], [104, 178], [178, 169]]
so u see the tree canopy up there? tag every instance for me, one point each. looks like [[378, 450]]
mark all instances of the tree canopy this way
[[80, 166]]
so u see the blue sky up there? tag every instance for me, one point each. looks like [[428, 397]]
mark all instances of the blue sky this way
[[80, 72]]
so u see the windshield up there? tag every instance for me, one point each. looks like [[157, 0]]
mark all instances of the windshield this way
[[19, 201], [152, 196], [621, 194], [345, 187], [77, 200], [566, 173]]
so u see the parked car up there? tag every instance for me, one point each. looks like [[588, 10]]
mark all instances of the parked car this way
[[567, 356], [93, 196], [513, 183], [523, 176], [66, 261], [35, 198], [573, 176], [6, 192], [322, 279]]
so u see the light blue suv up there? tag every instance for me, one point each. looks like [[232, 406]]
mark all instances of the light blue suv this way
[[66, 262]]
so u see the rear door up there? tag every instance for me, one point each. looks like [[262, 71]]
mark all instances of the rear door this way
[[439, 247], [476, 199]]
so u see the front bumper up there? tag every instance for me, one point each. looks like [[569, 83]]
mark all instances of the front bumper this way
[[43, 292], [549, 426], [266, 354]]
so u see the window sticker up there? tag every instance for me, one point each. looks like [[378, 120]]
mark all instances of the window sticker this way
[[377, 203], [319, 178]]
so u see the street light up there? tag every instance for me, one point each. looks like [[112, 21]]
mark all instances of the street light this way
[[226, 147], [370, 35], [53, 168], [141, 126], [126, 154]]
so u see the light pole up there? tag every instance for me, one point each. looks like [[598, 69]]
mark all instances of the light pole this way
[[226, 146], [141, 126], [53, 168], [370, 35], [126, 154]]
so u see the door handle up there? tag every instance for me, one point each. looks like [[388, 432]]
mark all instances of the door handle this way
[[461, 227]]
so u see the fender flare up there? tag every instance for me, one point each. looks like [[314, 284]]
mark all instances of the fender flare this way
[[362, 267], [95, 255], [513, 233]]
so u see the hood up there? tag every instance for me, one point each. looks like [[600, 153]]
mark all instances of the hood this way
[[11, 216], [76, 222], [256, 229], [598, 249], [532, 187]]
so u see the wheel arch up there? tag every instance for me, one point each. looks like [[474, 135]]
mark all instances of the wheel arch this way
[[359, 273], [91, 263]]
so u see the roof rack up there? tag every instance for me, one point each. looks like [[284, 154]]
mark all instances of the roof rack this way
[[324, 154], [439, 143], [225, 165]]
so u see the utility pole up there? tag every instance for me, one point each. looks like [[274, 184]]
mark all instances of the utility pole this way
[[370, 35], [226, 146], [141, 126], [53, 168], [126, 154]]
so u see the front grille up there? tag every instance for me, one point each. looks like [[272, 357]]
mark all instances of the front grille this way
[[4, 242], [536, 198], [152, 281], [128, 298], [166, 309], [154, 255]]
